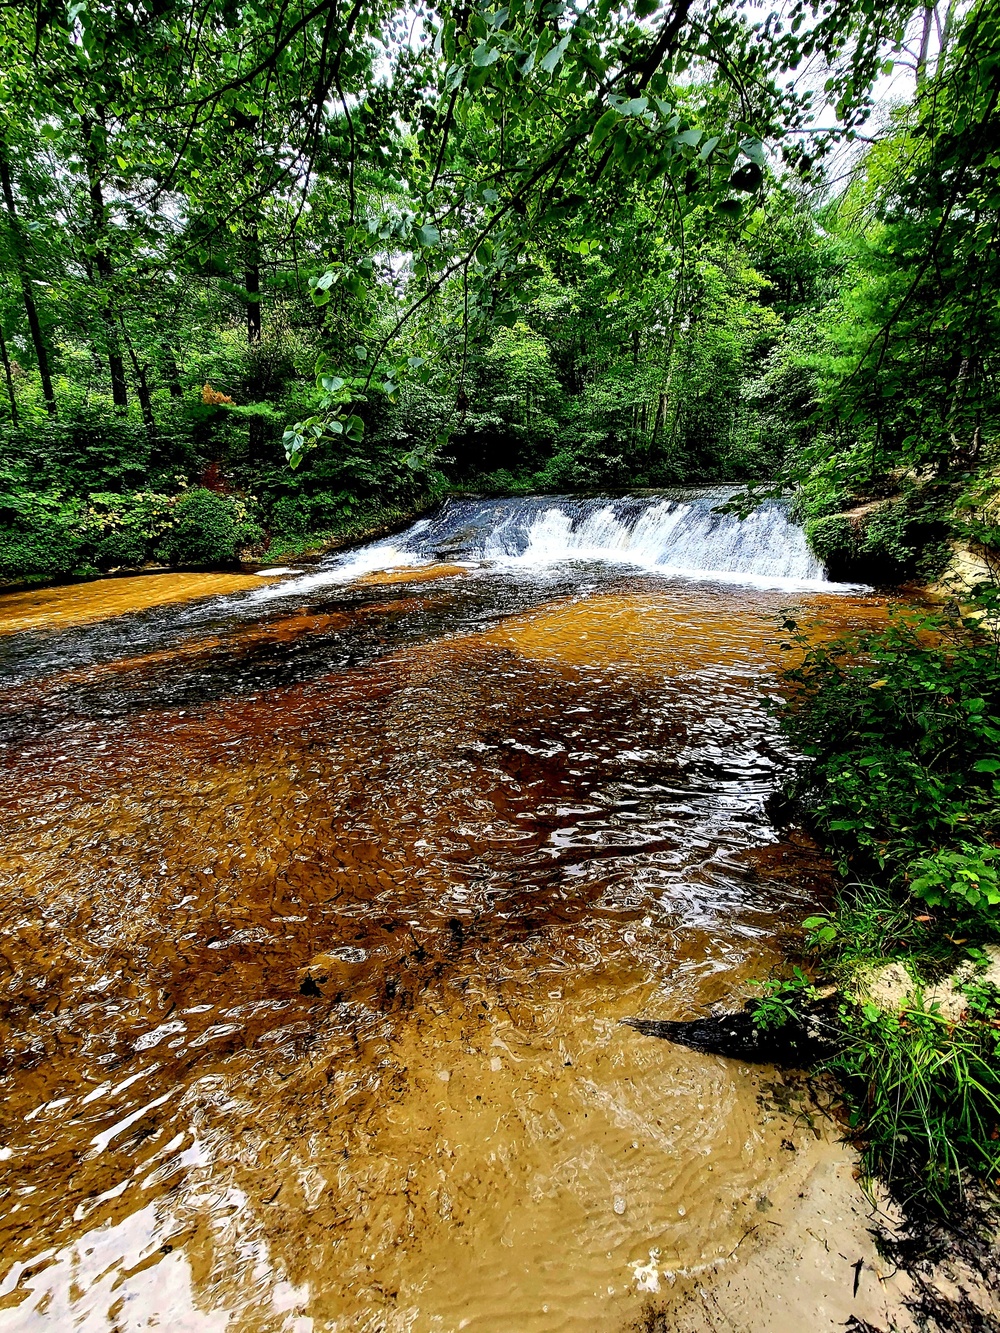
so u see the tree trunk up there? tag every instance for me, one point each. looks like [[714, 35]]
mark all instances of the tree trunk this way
[[252, 284], [173, 374], [247, 127], [141, 383], [664, 395], [105, 271], [30, 309], [10, 380], [925, 41], [253, 303], [944, 35]]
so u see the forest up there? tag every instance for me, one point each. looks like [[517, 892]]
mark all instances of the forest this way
[[278, 274], [330, 266]]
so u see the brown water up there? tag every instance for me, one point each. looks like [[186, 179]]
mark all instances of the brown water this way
[[319, 917]]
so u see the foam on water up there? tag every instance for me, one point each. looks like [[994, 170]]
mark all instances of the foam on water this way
[[345, 568]]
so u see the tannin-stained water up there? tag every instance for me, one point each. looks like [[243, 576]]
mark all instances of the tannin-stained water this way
[[320, 911]]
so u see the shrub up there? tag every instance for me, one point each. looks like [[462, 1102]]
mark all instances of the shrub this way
[[208, 529], [901, 728], [831, 538], [292, 514], [122, 529], [122, 548], [925, 1094], [895, 540], [41, 535]]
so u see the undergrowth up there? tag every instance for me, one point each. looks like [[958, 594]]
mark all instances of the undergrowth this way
[[900, 729], [358, 526]]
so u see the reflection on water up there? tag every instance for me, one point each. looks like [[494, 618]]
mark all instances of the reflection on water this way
[[319, 916]]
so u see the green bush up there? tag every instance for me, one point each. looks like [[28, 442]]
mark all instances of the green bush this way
[[902, 537], [41, 535], [292, 515], [208, 529], [47, 535], [925, 1093], [48, 552], [901, 731], [122, 548], [832, 538], [122, 529]]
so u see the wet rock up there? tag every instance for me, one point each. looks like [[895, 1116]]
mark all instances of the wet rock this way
[[886, 987], [458, 543]]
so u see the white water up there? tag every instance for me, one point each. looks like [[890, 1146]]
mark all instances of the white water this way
[[677, 536]]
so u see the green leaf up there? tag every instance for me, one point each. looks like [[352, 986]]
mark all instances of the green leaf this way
[[485, 55], [987, 766], [708, 147], [748, 178], [604, 127], [428, 235], [548, 64]]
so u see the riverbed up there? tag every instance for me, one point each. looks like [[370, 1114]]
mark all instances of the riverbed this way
[[324, 897]]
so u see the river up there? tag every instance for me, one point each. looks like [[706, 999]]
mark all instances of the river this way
[[324, 894]]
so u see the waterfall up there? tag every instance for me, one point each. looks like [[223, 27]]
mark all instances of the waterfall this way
[[676, 534]]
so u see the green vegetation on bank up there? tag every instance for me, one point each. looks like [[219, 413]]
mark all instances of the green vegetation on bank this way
[[901, 732]]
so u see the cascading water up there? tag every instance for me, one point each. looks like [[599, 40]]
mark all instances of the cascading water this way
[[676, 534]]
